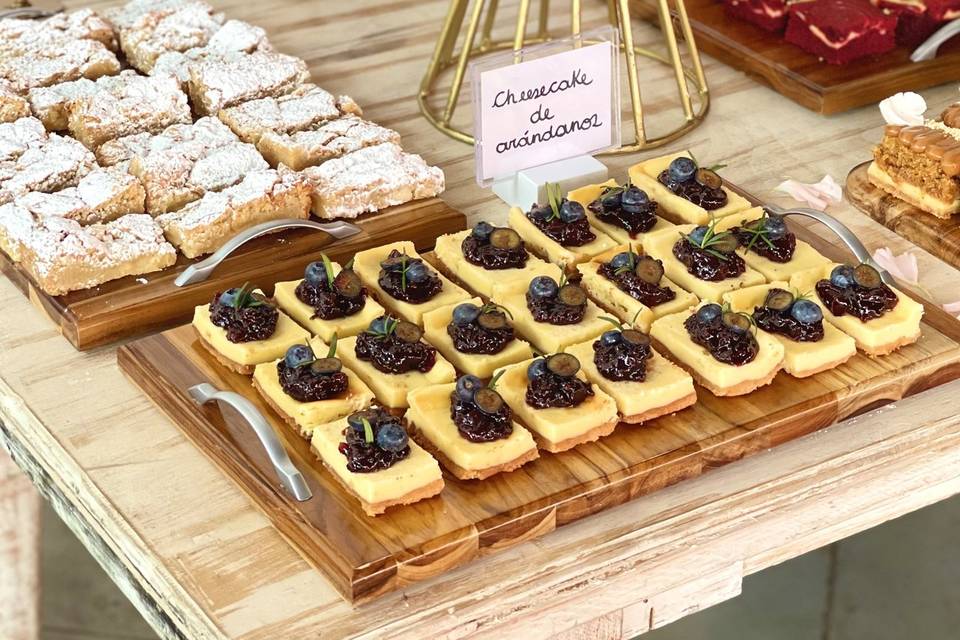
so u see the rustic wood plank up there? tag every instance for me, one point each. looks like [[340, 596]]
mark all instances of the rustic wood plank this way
[[19, 554]]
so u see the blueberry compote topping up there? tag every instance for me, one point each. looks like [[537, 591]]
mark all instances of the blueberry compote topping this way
[[494, 247], [553, 382], [702, 187], [622, 354], [374, 440], [725, 334], [554, 303], [562, 220], [709, 254], [627, 207], [408, 279], [394, 346], [480, 329], [247, 316], [331, 296], [306, 378], [768, 236], [639, 277], [857, 291], [479, 412], [796, 318]]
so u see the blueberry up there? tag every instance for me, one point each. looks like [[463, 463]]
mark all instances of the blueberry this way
[[842, 276], [682, 169], [571, 211], [806, 312], [379, 325], [775, 227], [315, 274], [298, 355], [709, 312], [634, 197], [467, 386], [417, 272], [610, 338], [482, 230], [541, 212], [465, 313], [543, 287], [229, 297], [392, 437], [623, 259], [536, 369], [697, 235]]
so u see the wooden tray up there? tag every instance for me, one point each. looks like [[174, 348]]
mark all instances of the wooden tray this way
[[800, 76], [938, 236], [137, 305], [365, 557]]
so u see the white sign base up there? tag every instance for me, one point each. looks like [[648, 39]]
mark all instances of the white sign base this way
[[525, 188]]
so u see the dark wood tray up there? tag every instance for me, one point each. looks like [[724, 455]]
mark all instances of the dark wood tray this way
[[135, 306], [800, 76]]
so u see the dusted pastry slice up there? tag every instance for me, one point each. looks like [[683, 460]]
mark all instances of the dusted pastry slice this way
[[402, 282], [686, 193], [623, 220], [490, 259], [328, 301], [49, 164], [329, 140], [100, 196], [855, 300], [810, 345], [60, 60], [719, 348], [372, 456], [12, 105], [303, 108], [470, 429], [632, 287], [553, 399], [701, 260], [158, 32], [216, 84], [309, 387], [476, 338], [392, 359]]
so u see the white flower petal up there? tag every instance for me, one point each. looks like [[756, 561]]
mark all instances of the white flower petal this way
[[903, 266], [906, 108], [818, 195]]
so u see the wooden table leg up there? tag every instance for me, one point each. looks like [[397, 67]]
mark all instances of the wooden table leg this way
[[19, 554]]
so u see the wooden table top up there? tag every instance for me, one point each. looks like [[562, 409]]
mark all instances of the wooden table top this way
[[200, 561]]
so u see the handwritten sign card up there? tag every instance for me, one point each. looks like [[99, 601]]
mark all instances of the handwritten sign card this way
[[562, 100]]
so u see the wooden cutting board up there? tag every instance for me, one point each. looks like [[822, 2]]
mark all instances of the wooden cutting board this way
[[138, 305], [800, 76], [365, 557], [938, 236]]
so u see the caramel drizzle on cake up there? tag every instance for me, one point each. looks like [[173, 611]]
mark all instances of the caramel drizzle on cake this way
[[951, 116], [937, 145]]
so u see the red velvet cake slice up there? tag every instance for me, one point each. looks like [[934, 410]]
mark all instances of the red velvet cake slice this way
[[919, 19], [770, 15], [840, 31]]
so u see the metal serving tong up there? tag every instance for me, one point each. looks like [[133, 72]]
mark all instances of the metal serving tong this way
[[200, 271], [288, 473], [928, 50]]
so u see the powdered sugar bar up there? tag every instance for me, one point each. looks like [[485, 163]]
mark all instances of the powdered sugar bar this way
[[12, 106], [330, 140], [157, 32], [234, 37], [216, 84], [50, 104], [23, 35], [47, 164]]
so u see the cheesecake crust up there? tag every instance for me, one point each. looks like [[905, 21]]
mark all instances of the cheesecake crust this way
[[596, 433], [739, 389], [657, 412], [912, 194], [470, 474], [243, 369], [280, 412], [890, 347]]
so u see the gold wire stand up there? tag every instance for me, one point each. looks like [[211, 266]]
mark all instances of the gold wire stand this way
[[618, 13]]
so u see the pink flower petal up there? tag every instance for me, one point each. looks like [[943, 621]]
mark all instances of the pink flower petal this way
[[817, 195], [953, 307], [903, 266]]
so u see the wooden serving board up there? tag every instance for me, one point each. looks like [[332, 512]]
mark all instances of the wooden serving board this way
[[801, 76], [137, 305], [365, 557], [938, 236]]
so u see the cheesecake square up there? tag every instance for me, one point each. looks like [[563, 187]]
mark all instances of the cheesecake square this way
[[800, 359], [660, 246], [367, 265], [667, 389], [486, 282], [430, 419], [558, 429], [552, 251], [679, 210], [285, 295], [481, 365], [546, 337], [587, 194]]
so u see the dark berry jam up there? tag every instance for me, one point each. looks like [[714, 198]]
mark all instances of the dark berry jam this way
[[392, 355], [472, 338], [477, 426], [483, 254], [724, 344], [705, 265], [633, 222], [549, 390], [551, 311], [780, 250], [860, 302], [631, 284], [328, 304], [246, 324], [304, 385], [622, 361], [698, 194], [367, 457], [781, 322], [568, 234], [415, 292]]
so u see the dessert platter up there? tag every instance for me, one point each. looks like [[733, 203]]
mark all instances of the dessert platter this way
[[912, 185], [136, 141], [827, 55], [440, 406]]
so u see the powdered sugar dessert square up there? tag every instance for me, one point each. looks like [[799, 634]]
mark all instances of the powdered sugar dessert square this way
[[50, 103], [52, 164], [234, 37], [102, 195], [12, 105], [329, 140], [58, 62], [190, 139], [18, 136], [133, 12], [22, 35], [156, 33], [217, 84]]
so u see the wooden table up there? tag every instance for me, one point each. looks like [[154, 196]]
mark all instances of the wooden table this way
[[199, 561]]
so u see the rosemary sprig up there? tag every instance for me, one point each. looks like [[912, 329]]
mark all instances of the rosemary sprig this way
[[493, 306], [390, 325], [328, 267], [496, 378], [332, 351], [245, 299], [711, 238], [554, 197], [367, 431]]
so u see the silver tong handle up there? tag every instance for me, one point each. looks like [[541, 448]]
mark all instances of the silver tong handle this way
[[928, 50], [288, 473], [28, 13], [200, 271]]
